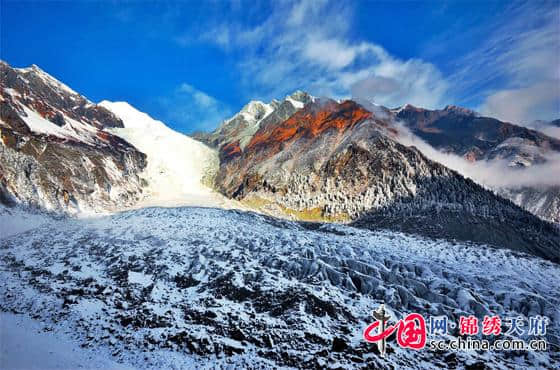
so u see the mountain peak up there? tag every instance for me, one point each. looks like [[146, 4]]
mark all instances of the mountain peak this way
[[255, 108], [300, 95], [460, 110], [31, 68], [47, 78], [408, 107], [299, 98], [251, 114], [450, 108]]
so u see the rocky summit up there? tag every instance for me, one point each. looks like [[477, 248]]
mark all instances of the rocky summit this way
[[55, 154]]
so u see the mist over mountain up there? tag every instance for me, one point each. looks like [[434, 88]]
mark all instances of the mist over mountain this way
[[515, 161]]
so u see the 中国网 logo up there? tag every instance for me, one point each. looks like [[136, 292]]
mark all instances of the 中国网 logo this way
[[414, 331]]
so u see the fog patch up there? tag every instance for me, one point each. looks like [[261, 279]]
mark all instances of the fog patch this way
[[496, 173]]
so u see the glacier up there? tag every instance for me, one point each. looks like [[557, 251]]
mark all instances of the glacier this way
[[179, 170], [211, 288]]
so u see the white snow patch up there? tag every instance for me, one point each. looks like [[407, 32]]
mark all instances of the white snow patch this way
[[38, 124], [73, 130], [24, 344], [139, 278], [11, 92], [295, 103]]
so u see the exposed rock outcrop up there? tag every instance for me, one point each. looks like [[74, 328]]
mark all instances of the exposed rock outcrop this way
[[53, 150]]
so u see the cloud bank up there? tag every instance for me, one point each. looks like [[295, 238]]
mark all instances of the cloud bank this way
[[513, 75], [506, 66], [494, 173]]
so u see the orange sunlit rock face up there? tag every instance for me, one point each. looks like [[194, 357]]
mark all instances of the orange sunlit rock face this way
[[310, 122], [230, 150]]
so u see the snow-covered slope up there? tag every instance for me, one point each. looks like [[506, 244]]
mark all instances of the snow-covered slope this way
[[184, 288], [178, 166], [335, 161], [16, 220]]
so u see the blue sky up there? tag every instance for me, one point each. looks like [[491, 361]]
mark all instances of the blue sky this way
[[192, 64]]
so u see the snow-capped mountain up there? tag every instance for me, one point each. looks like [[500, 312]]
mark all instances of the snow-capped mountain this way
[[242, 126], [61, 152], [452, 130], [179, 171], [463, 132], [54, 152], [334, 161], [301, 157]]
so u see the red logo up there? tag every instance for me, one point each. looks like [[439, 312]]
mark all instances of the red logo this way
[[411, 332]]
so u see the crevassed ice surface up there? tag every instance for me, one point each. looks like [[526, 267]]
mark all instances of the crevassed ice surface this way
[[164, 287]]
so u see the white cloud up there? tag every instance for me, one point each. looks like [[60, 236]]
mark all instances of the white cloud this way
[[330, 53], [549, 128], [306, 45], [192, 108], [513, 75], [199, 97], [220, 35], [394, 83], [516, 71], [540, 100]]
